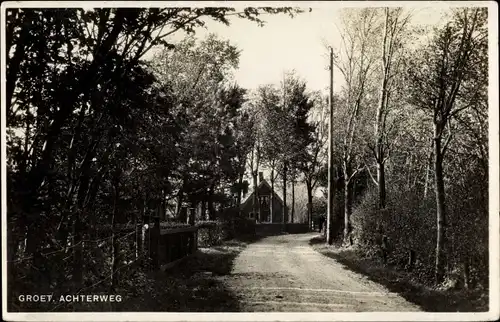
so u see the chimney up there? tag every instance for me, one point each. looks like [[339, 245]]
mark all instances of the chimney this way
[[261, 177]]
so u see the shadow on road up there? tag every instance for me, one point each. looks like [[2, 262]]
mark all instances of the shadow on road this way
[[194, 285], [398, 282]]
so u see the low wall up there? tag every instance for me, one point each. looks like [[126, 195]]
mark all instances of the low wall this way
[[268, 229]]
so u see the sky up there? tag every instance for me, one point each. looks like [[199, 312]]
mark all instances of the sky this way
[[286, 43]]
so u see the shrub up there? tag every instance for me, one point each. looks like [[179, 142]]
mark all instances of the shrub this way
[[211, 233], [408, 226]]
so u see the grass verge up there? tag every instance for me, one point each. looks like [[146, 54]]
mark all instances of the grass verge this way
[[428, 298]]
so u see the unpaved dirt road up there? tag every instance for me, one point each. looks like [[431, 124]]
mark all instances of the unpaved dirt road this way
[[283, 273]]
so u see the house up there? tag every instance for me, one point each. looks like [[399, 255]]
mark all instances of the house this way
[[264, 192]]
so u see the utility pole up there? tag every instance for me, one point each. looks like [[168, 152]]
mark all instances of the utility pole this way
[[331, 188], [284, 161]]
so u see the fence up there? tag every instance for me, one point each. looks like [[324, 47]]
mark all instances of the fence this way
[[104, 257], [167, 246]]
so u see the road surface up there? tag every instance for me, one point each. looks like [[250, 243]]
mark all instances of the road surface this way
[[283, 273]]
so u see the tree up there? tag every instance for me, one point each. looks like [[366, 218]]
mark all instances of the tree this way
[[78, 90], [313, 157], [395, 23], [356, 65], [272, 131], [447, 80], [300, 104], [285, 131]]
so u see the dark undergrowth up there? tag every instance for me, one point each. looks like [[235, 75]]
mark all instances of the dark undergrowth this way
[[193, 285], [401, 282]]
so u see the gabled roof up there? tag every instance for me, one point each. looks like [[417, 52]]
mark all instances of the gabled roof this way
[[262, 183]]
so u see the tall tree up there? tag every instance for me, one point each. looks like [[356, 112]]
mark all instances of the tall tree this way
[[300, 104], [313, 157], [355, 63], [395, 22], [273, 129], [447, 79]]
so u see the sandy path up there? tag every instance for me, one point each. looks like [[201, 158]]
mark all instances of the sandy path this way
[[283, 273]]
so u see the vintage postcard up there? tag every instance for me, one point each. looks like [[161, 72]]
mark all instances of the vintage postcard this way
[[250, 161]]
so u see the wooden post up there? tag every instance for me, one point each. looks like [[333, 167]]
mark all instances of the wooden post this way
[[192, 215], [183, 215], [138, 240], [155, 242], [145, 244], [138, 237]]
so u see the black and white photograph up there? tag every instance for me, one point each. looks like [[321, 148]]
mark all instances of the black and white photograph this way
[[237, 161]]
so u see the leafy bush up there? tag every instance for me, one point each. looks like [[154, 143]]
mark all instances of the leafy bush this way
[[392, 231], [408, 226], [231, 224], [211, 233]]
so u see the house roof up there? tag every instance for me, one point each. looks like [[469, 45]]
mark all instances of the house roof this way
[[262, 183]]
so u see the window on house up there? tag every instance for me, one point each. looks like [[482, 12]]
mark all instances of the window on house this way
[[251, 215], [264, 201]]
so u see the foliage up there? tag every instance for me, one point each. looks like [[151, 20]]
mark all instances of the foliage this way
[[99, 137], [437, 95]]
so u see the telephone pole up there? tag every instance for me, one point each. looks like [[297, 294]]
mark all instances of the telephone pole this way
[[284, 162], [331, 188]]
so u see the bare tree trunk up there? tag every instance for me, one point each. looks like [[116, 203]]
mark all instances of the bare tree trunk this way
[[428, 167], [285, 213], [309, 203], [272, 195], [138, 236], [192, 213], [255, 196], [410, 171], [381, 183], [203, 215], [293, 201], [178, 206], [240, 192], [163, 214], [387, 56], [211, 208], [347, 202], [255, 171], [440, 207]]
